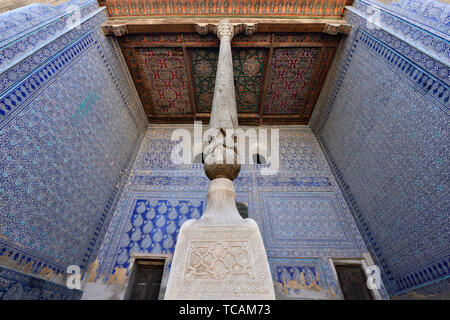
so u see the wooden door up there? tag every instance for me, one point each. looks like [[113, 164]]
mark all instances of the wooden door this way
[[353, 283]]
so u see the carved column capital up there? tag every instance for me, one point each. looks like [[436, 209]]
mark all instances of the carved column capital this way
[[225, 29]]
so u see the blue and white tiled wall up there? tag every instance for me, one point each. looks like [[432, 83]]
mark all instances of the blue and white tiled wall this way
[[70, 127], [301, 212], [383, 123]]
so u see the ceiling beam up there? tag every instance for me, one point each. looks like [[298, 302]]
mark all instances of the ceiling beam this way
[[123, 26]]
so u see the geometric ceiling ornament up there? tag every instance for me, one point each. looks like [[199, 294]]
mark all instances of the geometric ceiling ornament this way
[[277, 75]]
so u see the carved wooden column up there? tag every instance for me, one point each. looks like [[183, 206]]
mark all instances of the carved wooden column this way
[[221, 255]]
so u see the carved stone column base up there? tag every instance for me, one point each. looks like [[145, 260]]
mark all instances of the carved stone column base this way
[[221, 255]]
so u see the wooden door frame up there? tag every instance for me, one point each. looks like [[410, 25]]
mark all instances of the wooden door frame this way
[[363, 263], [166, 258]]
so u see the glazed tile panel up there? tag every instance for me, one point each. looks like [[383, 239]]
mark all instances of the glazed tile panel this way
[[387, 140], [28, 28], [204, 67], [430, 34], [154, 226], [41, 177], [277, 74], [149, 222], [69, 128]]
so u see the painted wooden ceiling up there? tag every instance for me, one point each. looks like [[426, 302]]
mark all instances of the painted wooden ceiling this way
[[278, 76]]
